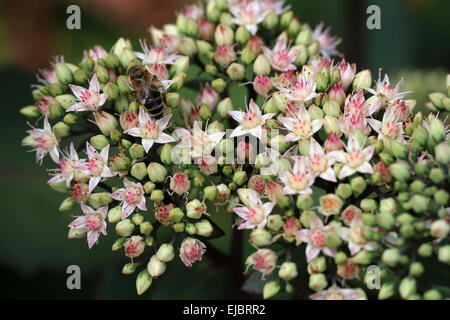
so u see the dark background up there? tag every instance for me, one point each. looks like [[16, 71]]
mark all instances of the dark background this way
[[34, 250]]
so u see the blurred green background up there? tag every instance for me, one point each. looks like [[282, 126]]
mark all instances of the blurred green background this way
[[34, 250]]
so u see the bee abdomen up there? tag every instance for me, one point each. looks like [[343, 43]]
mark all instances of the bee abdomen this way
[[155, 107]]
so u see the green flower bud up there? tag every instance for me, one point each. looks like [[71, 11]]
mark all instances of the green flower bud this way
[[332, 240], [187, 47], [444, 254], [240, 177], [261, 66], [55, 111], [224, 35], [204, 228], [388, 205], [181, 23], [115, 214], [437, 175], [418, 203], [191, 28], [210, 192], [123, 84], [145, 228], [56, 89], [63, 73], [294, 27], [440, 229], [236, 71], [441, 197], [271, 288], [304, 201], [416, 269], [436, 99], [155, 267], [274, 222], [156, 172], [124, 228], [387, 290], [313, 48], [358, 185], [369, 205], [139, 170], [331, 124], [126, 56], [363, 257], [344, 190], [129, 268], [288, 271], [437, 129], [190, 229], [391, 257], [149, 187], [100, 199], [442, 153], [340, 258], [304, 37], [121, 162], [80, 77], [99, 141], [305, 218], [137, 151], [400, 171], [242, 35], [205, 112], [317, 265], [385, 220], [178, 81], [211, 70], [332, 108], [165, 253], [432, 294], [143, 282], [61, 130], [407, 287], [67, 204], [118, 244], [176, 215], [425, 250], [362, 79], [420, 135], [260, 237], [317, 282], [322, 81], [157, 196], [59, 186], [137, 219], [30, 111], [286, 19], [178, 227]]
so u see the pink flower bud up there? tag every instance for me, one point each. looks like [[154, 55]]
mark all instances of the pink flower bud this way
[[80, 192], [191, 250], [162, 213], [349, 214], [274, 191], [128, 120], [180, 183], [205, 30], [348, 72], [333, 143], [209, 97], [337, 93], [257, 183], [224, 55], [244, 151], [134, 246], [160, 71], [262, 85], [263, 260], [255, 44]]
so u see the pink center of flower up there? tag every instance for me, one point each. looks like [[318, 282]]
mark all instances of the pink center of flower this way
[[46, 141], [302, 128], [280, 59], [298, 181], [317, 237], [251, 120], [89, 99], [95, 166], [150, 131], [318, 163], [357, 236], [334, 295], [355, 158], [93, 221], [390, 130], [255, 216], [133, 195]]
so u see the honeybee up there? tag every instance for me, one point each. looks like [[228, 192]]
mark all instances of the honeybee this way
[[148, 90]]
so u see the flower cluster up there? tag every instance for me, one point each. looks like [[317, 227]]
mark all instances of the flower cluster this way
[[331, 173]]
